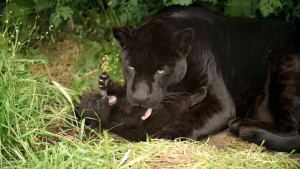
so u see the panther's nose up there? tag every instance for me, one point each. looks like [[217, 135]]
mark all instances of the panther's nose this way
[[139, 99], [140, 93]]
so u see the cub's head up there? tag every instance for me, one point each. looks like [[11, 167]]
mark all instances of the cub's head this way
[[96, 105], [153, 58]]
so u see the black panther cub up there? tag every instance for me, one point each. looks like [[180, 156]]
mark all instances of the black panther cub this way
[[132, 123]]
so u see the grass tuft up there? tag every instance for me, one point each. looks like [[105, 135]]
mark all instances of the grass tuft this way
[[35, 134]]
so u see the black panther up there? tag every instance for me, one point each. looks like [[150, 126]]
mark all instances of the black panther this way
[[251, 68]]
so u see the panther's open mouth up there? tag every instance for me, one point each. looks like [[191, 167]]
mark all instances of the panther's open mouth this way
[[147, 114]]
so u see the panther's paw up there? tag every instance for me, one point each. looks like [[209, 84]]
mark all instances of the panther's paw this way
[[237, 125], [168, 133]]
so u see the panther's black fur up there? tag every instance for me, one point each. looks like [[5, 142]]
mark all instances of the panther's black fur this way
[[251, 68]]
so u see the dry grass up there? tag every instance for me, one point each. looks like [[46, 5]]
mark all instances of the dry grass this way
[[219, 151], [234, 153], [62, 61]]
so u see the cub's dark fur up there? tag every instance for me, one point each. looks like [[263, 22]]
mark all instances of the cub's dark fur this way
[[125, 120], [251, 68]]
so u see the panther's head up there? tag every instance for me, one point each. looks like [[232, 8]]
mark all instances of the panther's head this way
[[153, 58]]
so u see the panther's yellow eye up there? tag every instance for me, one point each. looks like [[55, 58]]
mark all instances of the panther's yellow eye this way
[[160, 71], [131, 68]]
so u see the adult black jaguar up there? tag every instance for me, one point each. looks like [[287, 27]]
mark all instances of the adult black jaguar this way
[[251, 68]]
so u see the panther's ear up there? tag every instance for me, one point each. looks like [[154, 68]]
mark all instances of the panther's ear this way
[[183, 40], [80, 97], [122, 34]]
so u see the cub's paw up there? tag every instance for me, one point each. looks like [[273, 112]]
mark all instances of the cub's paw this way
[[198, 97], [104, 81], [202, 90]]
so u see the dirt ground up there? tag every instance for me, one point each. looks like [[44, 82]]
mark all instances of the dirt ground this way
[[61, 67], [219, 140], [225, 138]]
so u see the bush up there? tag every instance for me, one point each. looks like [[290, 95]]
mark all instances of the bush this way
[[90, 22]]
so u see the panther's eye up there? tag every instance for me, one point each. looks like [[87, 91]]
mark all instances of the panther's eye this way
[[160, 71], [96, 103], [131, 68]]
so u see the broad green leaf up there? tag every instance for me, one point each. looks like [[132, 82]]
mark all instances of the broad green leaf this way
[[64, 12], [75, 81], [84, 83], [276, 3], [36, 55], [55, 19], [114, 3], [1, 64], [296, 11], [3, 40], [2, 88], [268, 7], [41, 5], [178, 2], [289, 3], [108, 47], [13, 9], [20, 55], [245, 8]]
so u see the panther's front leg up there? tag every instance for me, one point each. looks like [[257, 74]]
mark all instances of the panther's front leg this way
[[208, 117]]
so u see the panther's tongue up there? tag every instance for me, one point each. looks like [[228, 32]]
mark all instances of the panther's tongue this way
[[147, 114]]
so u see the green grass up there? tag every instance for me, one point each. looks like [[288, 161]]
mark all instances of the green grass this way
[[31, 106], [35, 134]]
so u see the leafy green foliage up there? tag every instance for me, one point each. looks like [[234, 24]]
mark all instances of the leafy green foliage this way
[[268, 7], [23, 97], [61, 12], [79, 84], [90, 22], [245, 8], [178, 2], [42, 4], [36, 55], [296, 10], [30, 106], [132, 12], [285, 9]]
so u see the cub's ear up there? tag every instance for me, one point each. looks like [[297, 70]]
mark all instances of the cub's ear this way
[[127, 107], [112, 100], [122, 34], [80, 97], [183, 40]]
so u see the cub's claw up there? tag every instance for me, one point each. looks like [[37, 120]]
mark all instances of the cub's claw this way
[[104, 81]]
